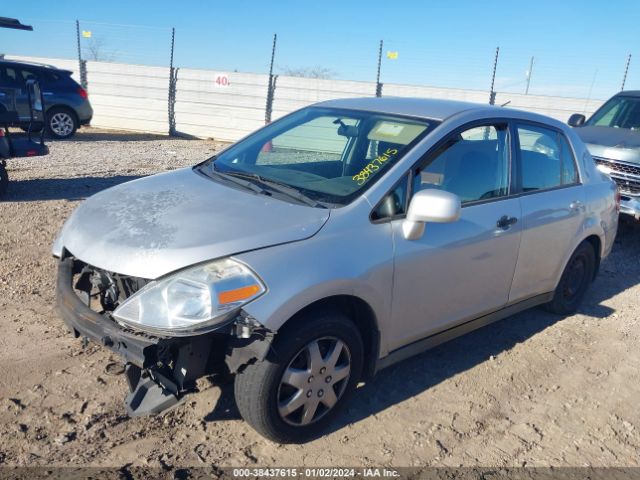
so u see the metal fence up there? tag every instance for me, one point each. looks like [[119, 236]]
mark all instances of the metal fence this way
[[136, 80]]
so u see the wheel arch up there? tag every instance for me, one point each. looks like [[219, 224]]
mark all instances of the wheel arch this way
[[362, 315], [596, 243], [66, 108]]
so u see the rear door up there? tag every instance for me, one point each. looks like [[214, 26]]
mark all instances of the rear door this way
[[553, 209], [461, 270]]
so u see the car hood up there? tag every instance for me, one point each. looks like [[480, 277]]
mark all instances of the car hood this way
[[614, 143], [155, 225]]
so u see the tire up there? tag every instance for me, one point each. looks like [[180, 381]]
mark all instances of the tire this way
[[4, 180], [61, 123], [575, 280], [262, 394]]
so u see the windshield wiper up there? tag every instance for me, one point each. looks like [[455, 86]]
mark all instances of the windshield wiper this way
[[230, 177], [278, 187]]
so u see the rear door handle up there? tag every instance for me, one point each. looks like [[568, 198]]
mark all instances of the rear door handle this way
[[505, 222]]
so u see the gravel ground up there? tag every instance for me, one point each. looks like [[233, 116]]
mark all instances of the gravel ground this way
[[534, 389]]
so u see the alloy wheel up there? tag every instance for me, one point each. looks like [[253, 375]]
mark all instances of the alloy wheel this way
[[61, 124], [314, 381]]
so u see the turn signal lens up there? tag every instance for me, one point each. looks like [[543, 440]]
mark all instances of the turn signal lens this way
[[238, 294]]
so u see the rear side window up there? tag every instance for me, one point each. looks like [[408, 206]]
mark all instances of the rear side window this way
[[29, 74], [45, 77], [546, 160]]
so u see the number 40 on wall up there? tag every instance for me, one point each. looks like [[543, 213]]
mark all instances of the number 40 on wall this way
[[221, 80]]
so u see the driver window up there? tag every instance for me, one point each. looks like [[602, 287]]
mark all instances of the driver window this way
[[473, 164]]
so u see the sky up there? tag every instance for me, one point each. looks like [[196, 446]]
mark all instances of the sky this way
[[580, 49]]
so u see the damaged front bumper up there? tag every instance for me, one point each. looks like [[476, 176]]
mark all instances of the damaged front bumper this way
[[160, 371]]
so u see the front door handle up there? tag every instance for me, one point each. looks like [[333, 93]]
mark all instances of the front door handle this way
[[505, 222]]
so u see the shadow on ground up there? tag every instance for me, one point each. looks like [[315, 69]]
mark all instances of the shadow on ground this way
[[77, 188], [417, 374], [96, 135]]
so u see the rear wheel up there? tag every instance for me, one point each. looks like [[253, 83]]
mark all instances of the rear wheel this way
[[310, 372], [575, 280], [4, 179], [61, 123]]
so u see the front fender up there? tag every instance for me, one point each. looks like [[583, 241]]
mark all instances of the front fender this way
[[357, 262]]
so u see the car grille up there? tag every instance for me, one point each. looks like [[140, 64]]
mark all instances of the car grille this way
[[626, 175]]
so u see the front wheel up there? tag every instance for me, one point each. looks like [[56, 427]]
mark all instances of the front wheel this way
[[61, 123], [309, 373], [575, 280]]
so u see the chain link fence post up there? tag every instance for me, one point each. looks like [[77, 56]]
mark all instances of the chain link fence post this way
[[378, 84], [626, 70], [492, 93], [271, 88], [173, 79], [82, 64]]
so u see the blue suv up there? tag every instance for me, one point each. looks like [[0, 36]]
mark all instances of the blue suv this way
[[67, 103]]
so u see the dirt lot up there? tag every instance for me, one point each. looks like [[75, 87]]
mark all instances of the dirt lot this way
[[533, 390]]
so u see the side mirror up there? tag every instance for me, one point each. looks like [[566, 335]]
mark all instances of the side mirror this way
[[430, 205], [576, 120]]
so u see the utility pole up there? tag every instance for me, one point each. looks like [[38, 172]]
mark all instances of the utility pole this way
[[492, 93], [593, 81], [626, 70], [378, 84], [526, 90]]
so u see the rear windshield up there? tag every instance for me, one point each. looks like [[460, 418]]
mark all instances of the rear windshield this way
[[619, 112], [328, 155]]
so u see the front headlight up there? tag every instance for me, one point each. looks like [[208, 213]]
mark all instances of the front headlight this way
[[191, 300]]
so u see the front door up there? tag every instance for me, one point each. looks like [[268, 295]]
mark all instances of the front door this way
[[461, 270]]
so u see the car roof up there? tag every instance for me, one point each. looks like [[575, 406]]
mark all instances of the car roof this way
[[629, 93], [42, 66], [428, 108]]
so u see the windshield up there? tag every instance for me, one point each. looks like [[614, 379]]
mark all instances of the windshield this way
[[319, 154], [619, 112]]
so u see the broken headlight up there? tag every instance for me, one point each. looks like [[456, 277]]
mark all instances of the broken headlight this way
[[192, 300]]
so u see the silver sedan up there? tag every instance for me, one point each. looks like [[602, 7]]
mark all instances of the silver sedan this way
[[330, 244]]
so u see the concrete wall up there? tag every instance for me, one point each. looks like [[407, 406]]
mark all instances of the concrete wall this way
[[131, 97], [228, 113], [135, 97]]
